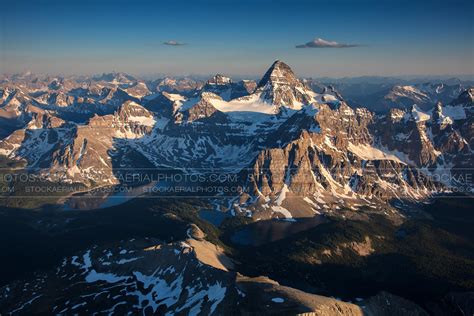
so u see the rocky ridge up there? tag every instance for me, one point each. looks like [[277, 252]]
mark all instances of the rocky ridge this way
[[298, 153]]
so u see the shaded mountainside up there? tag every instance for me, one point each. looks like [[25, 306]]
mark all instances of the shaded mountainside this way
[[156, 259], [420, 260], [146, 276]]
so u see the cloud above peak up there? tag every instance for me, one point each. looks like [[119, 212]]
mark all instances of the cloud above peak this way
[[173, 43], [321, 43]]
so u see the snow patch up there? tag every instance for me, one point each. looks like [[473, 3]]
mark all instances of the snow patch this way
[[142, 120], [368, 152], [419, 115]]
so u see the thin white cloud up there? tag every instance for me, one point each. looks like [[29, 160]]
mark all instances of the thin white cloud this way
[[321, 43], [173, 43]]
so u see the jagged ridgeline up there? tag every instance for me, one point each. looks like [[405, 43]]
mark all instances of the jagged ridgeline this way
[[296, 152]]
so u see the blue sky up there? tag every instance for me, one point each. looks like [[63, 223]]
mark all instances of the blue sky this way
[[237, 37]]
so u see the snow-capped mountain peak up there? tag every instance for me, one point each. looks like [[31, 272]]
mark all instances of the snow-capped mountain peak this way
[[279, 86], [278, 73]]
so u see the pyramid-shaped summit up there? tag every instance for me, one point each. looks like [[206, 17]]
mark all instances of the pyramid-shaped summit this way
[[281, 87], [279, 72]]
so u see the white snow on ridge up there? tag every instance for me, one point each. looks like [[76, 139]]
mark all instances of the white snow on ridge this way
[[284, 212], [413, 90], [368, 152], [185, 104], [282, 195], [419, 115], [247, 104], [142, 120], [409, 91], [175, 97]]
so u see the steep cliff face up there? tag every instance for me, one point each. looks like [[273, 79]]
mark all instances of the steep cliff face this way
[[407, 130], [438, 141], [325, 171], [68, 153], [356, 155]]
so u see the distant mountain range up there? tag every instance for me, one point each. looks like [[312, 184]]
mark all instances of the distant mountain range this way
[[283, 137]]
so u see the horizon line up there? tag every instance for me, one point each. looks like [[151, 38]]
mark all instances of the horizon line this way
[[250, 76]]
